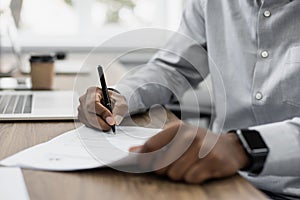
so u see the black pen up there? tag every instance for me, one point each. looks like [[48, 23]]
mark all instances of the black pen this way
[[107, 102]]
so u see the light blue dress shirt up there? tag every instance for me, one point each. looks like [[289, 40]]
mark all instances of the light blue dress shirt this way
[[253, 56]]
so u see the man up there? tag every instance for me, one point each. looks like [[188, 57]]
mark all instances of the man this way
[[255, 45]]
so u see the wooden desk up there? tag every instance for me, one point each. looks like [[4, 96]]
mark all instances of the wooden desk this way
[[107, 183]]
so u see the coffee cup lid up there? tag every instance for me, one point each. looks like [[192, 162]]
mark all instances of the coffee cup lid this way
[[41, 58]]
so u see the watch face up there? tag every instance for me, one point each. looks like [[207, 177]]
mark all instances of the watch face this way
[[254, 140]]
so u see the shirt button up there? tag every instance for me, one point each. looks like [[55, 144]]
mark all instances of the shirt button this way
[[264, 54], [258, 96], [267, 13]]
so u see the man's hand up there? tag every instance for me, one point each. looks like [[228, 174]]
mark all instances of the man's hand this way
[[94, 114], [177, 154]]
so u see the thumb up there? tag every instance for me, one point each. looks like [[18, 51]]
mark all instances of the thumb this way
[[135, 149], [118, 119], [118, 114]]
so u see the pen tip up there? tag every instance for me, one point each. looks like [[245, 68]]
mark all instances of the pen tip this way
[[113, 129]]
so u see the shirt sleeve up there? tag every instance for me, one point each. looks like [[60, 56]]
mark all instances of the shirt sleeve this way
[[283, 140], [181, 64]]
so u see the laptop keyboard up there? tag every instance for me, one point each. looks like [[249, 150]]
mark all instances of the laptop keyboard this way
[[15, 104]]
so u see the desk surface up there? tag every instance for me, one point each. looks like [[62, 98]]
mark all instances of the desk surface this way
[[107, 183]]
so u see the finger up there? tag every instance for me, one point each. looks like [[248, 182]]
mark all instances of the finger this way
[[100, 110], [162, 171], [158, 165], [178, 169], [92, 120], [120, 107], [198, 172], [98, 122], [82, 112], [113, 97], [154, 143], [118, 118], [94, 94], [161, 139], [178, 148], [88, 123], [103, 124], [135, 149], [119, 112], [86, 102], [92, 99], [105, 114], [81, 116]]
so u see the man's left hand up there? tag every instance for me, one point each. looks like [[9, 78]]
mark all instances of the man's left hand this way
[[177, 154]]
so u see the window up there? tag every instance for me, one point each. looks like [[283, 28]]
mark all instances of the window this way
[[88, 22]]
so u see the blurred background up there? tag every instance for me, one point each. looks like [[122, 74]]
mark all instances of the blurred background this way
[[79, 25], [70, 29]]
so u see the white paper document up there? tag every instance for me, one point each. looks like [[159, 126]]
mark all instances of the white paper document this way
[[82, 148], [12, 185]]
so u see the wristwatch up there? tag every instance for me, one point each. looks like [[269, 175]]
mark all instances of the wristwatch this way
[[256, 149]]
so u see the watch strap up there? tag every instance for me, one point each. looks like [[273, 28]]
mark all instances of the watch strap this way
[[257, 160]]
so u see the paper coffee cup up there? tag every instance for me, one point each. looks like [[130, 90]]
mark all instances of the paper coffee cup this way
[[42, 72]]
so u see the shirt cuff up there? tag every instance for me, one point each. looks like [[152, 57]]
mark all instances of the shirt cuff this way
[[282, 138]]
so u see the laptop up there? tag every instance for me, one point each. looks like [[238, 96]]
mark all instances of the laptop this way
[[31, 105], [37, 105], [71, 65]]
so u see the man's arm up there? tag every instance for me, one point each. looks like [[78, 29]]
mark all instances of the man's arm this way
[[175, 152], [181, 64]]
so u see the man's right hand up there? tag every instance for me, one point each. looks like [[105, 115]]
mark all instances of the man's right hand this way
[[93, 113]]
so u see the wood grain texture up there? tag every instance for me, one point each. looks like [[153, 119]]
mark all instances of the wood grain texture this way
[[108, 183]]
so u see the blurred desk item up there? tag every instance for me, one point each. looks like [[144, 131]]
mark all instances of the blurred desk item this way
[[15, 83], [12, 184], [72, 64]]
